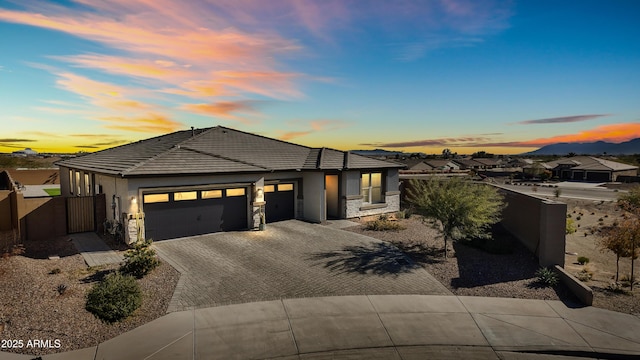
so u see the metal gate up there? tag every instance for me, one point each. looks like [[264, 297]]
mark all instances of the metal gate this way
[[80, 214]]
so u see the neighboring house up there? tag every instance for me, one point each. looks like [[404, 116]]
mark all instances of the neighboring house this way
[[217, 179], [445, 165], [24, 153], [589, 168], [468, 164], [487, 163], [416, 165]]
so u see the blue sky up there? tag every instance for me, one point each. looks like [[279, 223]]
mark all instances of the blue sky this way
[[483, 75]]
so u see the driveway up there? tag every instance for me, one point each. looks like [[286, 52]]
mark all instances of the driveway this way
[[290, 259]]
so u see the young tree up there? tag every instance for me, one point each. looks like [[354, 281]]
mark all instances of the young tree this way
[[631, 202], [458, 208], [623, 240]]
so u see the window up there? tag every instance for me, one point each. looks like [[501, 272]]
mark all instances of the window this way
[[78, 185], [87, 184], [155, 198], [235, 192], [185, 195], [71, 182], [285, 187], [211, 194], [269, 188], [371, 185]]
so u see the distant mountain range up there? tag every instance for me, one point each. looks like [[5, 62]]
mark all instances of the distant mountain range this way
[[592, 148]]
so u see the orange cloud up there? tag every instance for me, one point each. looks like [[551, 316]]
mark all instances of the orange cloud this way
[[316, 126], [158, 69], [224, 109], [154, 123], [616, 133]]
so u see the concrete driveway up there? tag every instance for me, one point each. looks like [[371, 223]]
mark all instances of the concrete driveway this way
[[290, 259]]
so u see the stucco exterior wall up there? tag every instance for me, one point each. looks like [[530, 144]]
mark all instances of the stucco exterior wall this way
[[5, 211], [314, 196], [633, 172], [538, 223]]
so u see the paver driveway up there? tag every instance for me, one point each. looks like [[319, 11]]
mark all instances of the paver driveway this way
[[290, 259]]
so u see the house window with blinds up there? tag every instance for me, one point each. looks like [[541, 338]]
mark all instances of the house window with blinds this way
[[371, 185]]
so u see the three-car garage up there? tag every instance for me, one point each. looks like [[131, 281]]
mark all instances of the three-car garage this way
[[175, 213]]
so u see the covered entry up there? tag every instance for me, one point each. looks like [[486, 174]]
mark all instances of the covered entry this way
[[280, 200], [174, 214]]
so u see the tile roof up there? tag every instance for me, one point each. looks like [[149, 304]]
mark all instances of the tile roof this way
[[591, 163], [217, 150]]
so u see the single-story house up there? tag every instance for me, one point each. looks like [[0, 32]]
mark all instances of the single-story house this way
[[589, 168], [468, 164], [201, 181], [416, 165], [488, 163], [444, 165]]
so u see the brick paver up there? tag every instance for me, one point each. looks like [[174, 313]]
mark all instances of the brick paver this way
[[290, 259]]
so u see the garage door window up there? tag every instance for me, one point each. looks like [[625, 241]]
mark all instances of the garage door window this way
[[269, 188], [235, 192], [156, 198], [211, 194], [185, 195], [285, 187]]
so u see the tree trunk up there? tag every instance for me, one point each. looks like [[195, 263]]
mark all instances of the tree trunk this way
[[617, 267], [445, 247]]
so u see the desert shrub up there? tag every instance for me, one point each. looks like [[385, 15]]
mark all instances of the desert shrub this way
[[582, 260], [140, 260], [617, 288], [62, 288], [114, 298], [383, 223], [547, 277], [404, 214], [557, 192], [578, 218], [626, 280], [568, 216], [570, 227], [55, 271], [584, 275]]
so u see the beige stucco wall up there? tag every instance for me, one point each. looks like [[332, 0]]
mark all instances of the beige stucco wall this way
[[538, 223]]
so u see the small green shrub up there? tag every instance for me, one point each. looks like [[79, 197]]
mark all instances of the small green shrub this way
[[62, 288], [625, 280], [55, 271], [140, 260], [568, 216], [578, 218], [617, 289], [547, 277], [383, 223], [114, 298], [570, 228], [404, 214], [582, 260]]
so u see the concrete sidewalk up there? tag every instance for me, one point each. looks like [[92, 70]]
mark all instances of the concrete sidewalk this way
[[378, 327], [94, 251]]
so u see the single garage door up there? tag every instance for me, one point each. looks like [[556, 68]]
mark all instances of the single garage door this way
[[170, 215], [280, 200]]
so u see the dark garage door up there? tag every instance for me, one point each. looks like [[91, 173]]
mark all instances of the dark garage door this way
[[280, 200], [597, 176], [177, 214]]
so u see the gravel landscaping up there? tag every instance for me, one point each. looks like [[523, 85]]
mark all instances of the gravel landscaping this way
[[473, 272], [31, 307]]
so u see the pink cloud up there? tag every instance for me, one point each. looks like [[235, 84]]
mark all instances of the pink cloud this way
[[225, 109], [315, 126]]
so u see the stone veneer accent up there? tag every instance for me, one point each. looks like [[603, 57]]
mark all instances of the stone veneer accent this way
[[353, 207]]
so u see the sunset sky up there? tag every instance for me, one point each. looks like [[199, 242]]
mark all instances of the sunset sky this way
[[468, 75]]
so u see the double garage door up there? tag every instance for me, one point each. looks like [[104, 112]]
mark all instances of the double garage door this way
[[177, 214]]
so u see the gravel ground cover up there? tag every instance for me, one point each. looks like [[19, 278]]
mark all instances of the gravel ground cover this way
[[474, 272], [32, 308]]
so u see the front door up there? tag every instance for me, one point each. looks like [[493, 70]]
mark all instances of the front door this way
[[331, 186]]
